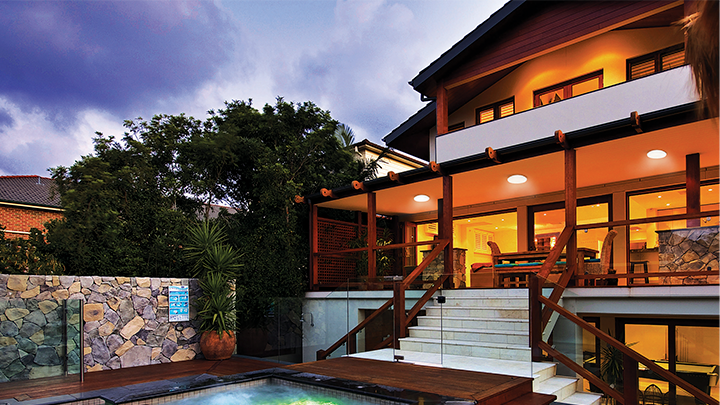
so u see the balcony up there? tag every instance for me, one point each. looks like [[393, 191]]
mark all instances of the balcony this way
[[652, 93]]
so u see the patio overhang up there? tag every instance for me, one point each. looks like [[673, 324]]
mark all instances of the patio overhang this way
[[607, 153]]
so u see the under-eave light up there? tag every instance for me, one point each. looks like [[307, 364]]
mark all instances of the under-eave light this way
[[517, 179], [421, 198], [656, 154]]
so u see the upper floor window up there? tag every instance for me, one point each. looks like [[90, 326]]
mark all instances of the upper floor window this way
[[495, 111], [571, 88], [655, 62], [456, 127]]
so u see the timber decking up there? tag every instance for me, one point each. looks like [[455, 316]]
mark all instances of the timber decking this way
[[487, 389], [56, 386]]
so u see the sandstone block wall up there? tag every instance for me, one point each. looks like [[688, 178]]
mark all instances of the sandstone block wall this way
[[125, 318]]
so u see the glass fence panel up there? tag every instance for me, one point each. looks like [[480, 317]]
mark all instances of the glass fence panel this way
[[39, 338]]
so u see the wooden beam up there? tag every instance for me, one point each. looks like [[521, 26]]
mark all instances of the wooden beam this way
[[314, 283], [535, 314], [327, 193], [492, 154], [441, 109], [299, 199], [435, 167], [447, 227], [635, 122], [359, 185], [571, 207], [692, 187], [372, 235], [395, 177], [561, 139]]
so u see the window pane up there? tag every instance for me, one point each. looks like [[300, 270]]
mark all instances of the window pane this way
[[672, 60], [640, 69], [586, 86], [548, 225], [486, 115], [652, 342], [552, 96], [697, 354], [507, 109], [589, 214]]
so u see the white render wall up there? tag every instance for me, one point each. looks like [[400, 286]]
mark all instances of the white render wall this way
[[652, 93]]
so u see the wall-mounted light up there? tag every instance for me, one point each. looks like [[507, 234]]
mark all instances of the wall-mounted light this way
[[517, 179], [421, 198], [656, 154]]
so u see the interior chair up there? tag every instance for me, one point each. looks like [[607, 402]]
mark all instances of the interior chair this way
[[653, 395], [605, 260]]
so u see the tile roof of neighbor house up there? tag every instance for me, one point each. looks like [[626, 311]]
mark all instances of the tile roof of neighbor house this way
[[31, 190]]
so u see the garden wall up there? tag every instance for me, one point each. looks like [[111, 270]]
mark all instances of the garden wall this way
[[126, 321]]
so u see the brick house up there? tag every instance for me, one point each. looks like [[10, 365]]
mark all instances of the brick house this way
[[27, 202]]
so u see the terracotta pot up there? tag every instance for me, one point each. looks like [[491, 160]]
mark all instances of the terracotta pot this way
[[217, 347]]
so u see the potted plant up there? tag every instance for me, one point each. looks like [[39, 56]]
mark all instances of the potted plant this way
[[216, 266]]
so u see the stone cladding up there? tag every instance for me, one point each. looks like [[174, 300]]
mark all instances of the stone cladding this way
[[125, 318], [690, 249]]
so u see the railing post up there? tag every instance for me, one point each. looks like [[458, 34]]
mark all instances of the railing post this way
[[398, 310], [630, 380], [535, 317]]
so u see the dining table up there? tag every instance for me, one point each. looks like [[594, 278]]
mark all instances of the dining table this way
[[534, 256]]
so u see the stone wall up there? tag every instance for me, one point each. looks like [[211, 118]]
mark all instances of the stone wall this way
[[125, 318], [437, 267], [690, 249]]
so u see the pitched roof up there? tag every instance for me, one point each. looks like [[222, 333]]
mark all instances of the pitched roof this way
[[32, 190]]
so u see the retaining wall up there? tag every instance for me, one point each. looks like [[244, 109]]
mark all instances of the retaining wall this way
[[125, 319]]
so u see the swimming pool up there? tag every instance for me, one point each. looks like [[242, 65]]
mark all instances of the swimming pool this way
[[267, 391]]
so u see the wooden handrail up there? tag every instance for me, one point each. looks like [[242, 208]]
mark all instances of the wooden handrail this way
[[595, 380], [668, 376], [322, 354], [424, 299], [383, 247], [547, 266]]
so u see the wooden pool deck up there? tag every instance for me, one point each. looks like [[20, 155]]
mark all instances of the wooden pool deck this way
[[488, 389]]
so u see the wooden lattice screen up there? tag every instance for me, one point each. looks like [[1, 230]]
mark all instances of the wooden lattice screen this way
[[333, 236]]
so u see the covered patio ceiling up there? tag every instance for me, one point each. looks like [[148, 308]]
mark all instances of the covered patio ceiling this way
[[607, 162]]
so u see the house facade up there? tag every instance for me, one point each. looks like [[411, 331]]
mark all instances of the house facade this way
[[548, 128], [27, 202]]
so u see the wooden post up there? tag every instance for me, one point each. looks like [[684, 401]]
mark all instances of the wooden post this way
[[630, 380], [672, 365], [372, 236], [441, 110], [535, 312], [692, 186], [571, 208], [314, 278], [398, 236], [447, 229], [398, 311]]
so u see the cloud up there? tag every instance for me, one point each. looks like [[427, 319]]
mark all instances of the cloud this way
[[6, 120], [361, 74], [62, 58]]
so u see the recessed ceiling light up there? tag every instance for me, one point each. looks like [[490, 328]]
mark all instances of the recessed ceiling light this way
[[656, 154], [421, 198], [517, 179]]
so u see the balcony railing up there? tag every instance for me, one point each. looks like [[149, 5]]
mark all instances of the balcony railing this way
[[649, 94]]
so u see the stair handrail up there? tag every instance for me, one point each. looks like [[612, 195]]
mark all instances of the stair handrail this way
[[441, 244], [635, 356]]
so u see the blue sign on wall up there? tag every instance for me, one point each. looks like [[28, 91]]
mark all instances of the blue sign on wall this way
[[179, 301]]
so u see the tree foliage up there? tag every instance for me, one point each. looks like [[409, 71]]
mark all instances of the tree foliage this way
[[129, 205]]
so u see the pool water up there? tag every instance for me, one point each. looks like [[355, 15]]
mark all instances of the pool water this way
[[278, 392]]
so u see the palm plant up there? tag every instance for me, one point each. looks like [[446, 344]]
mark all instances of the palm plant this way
[[216, 265], [345, 135]]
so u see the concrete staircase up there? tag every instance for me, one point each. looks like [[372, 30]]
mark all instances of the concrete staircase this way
[[487, 330]]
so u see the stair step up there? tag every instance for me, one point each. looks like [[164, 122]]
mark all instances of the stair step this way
[[471, 349], [582, 398], [484, 302], [486, 292], [475, 323], [478, 312], [471, 335], [562, 387]]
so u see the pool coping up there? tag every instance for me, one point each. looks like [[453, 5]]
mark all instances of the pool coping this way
[[154, 389]]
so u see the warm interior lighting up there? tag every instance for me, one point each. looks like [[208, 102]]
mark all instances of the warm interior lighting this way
[[656, 154], [517, 179], [421, 198]]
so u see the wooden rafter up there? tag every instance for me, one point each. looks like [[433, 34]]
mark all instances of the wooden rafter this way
[[492, 154]]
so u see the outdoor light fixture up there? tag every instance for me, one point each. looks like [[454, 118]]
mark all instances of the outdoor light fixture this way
[[656, 154], [517, 179], [421, 198]]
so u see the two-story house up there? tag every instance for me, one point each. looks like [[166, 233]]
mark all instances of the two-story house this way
[[570, 136]]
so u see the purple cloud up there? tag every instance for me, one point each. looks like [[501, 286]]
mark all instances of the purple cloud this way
[[61, 57], [6, 120]]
